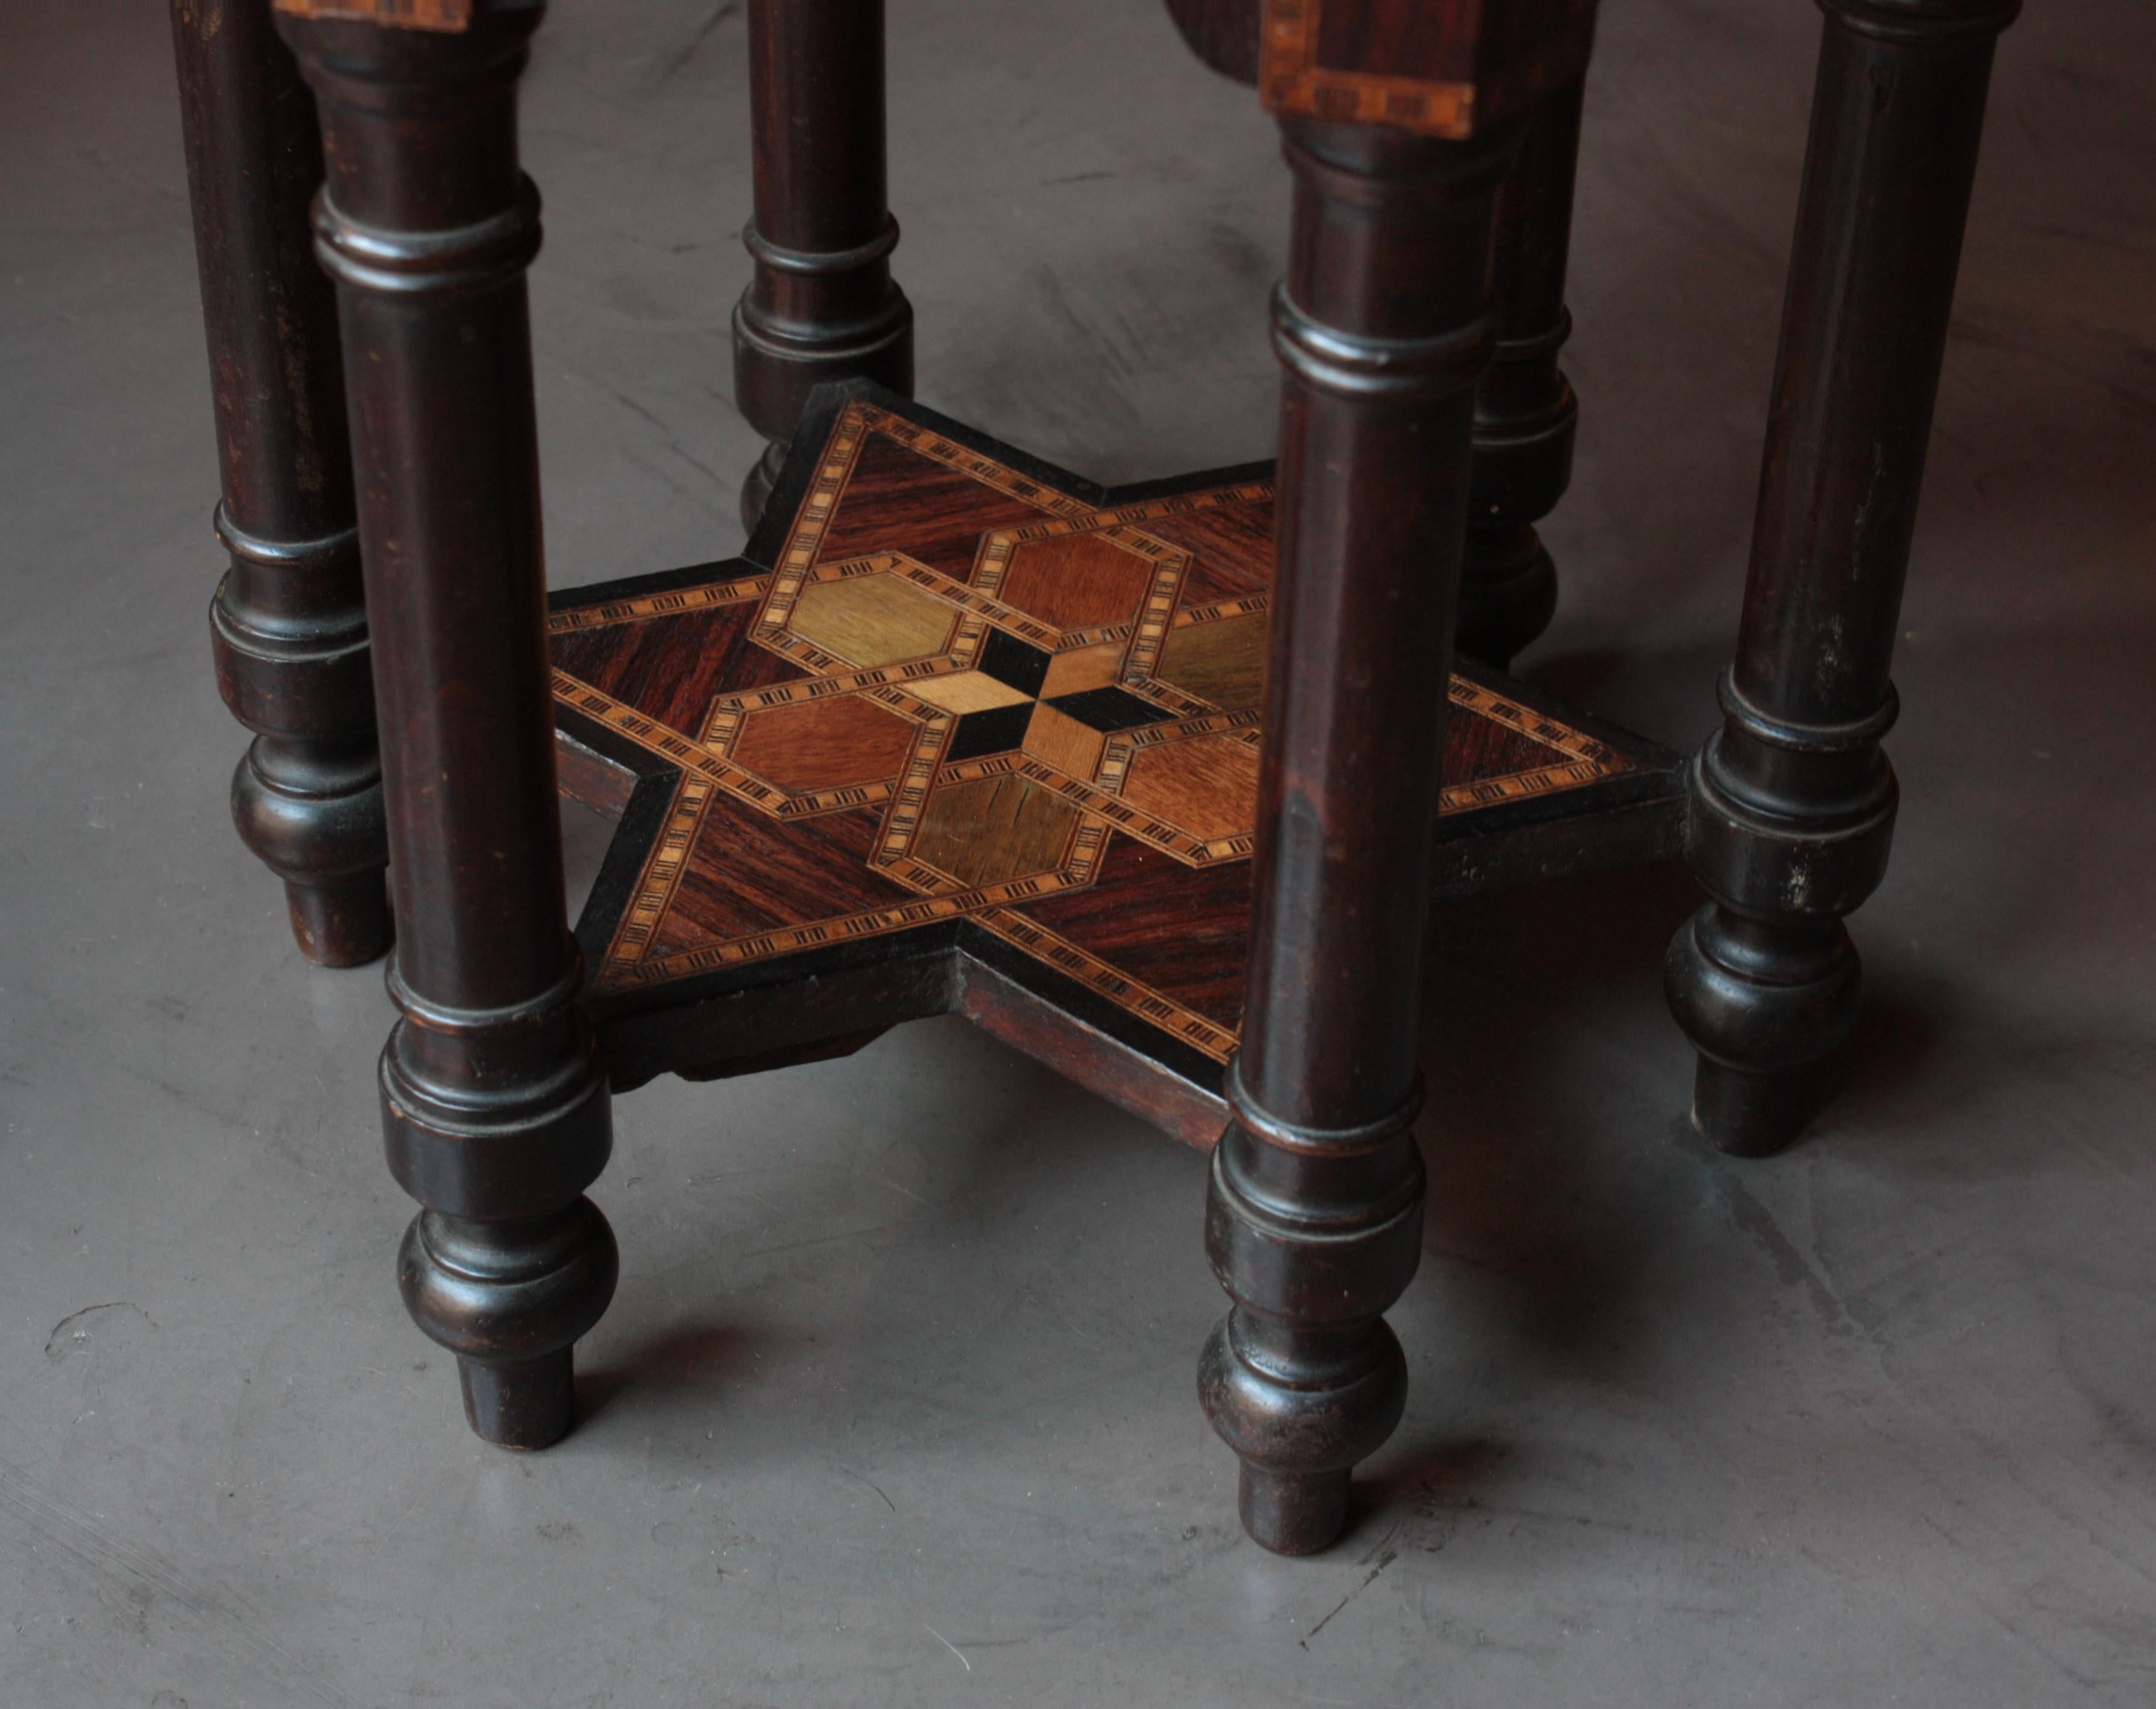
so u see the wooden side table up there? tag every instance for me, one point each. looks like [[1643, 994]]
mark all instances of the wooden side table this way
[[1156, 784]]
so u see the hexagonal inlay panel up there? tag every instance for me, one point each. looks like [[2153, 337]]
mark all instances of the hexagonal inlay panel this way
[[824, 744], [1222, 664], [991, 830], [1209, 785], [1075, 580], [870, 620]]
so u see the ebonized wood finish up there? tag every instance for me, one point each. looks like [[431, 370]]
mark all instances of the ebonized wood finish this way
[[1314, 1219], [822, 305], [1792, 800], [288, 625], [961, 731], [494, 1107], [1525, 411]]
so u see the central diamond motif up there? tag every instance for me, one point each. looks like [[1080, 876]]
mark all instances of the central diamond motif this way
[[1010, 719]]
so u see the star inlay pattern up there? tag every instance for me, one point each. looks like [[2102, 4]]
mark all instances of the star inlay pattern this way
[[963, 690]]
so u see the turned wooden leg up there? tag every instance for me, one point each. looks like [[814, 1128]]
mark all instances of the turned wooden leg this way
[[494, 1108], [1525, 412], [288, 625], [822, 305], [1792, 800], [1314, 1220]]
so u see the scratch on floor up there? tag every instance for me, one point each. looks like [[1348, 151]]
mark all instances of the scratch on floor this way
[[948, 1646], [1756, 1223], [70, 1332], [1382, 1556], [138, 1573], [681, 56], [858, 1479]]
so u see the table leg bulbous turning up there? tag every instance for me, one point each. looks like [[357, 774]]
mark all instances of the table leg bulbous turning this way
[[1313, 1233], [822, 305], [288, 625], [1525, 415], [1315, 1211], [495, 1105], [1792, 800]]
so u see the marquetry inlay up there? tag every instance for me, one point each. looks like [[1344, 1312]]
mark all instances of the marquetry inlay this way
[[963, 692]]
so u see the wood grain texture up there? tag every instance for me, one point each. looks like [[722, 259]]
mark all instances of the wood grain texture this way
[[876, 619], [1210, 784], [1064, 743], [822, 744], [1075, 580], [989, 830], [1525, 415], [1223, 663], [1313, 1215], [1064, 785]]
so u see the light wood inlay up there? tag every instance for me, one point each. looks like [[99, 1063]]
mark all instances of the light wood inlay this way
[[872, 620], [993, 829], [1082, 668], [1222, 663], [1436, 70], [744, 590], [1066, 957], [1059, 740], [969, 691], [1292, 80]]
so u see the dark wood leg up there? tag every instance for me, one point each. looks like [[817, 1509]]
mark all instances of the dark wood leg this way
[[1314, 1221], [288, 625], [1792, 800], [494, 1105], [1525, 412], [822, 306]]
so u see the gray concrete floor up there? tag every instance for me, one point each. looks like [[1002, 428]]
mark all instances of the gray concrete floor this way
[[894, 1405]]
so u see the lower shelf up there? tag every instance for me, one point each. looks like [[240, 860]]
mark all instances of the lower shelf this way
[[961, 733]]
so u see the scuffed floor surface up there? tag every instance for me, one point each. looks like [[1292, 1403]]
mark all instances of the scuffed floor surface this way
[[895, 1404]]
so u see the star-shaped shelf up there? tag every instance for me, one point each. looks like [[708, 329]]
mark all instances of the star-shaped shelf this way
[[963, 732]]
